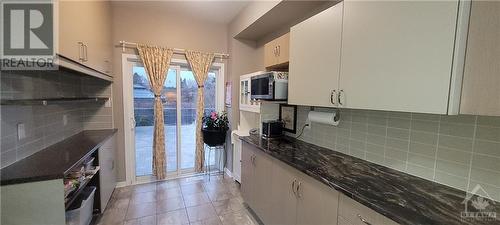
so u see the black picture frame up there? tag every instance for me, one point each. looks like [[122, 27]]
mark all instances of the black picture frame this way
[[285, 118]]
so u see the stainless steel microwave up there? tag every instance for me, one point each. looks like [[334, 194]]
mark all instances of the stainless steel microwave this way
[[271, 85]]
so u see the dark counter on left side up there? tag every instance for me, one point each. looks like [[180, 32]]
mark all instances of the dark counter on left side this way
[[54, 161]]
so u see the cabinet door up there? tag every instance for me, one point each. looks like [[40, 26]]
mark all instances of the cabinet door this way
[[270, 54], [73, 26], [236, 158], [247, 174], [88, 22], [355, 212], [283, 45], [397, 55], [315, 58], [316, 203], [481, 73], [107, 173], [263, 182], [98, 39], [283, 199]]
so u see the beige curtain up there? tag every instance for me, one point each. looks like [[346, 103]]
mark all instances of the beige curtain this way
[[156, 61], [200, 64]]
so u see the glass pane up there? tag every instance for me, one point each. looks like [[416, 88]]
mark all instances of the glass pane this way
[[210, 99], [144, 117], [210, 93], [143, 114], [189, 96], [170, 115]]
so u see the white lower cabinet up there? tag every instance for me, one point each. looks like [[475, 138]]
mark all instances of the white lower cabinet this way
[[283, 198], [256, 180], [279, 194], [247, 174], [316, 202], [351, 212], [107, 177], [282, 195]]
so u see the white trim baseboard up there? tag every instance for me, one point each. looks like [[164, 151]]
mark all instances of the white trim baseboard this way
[[228, 173], [121, 184]]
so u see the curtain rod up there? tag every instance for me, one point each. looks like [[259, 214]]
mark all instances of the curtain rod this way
[[126, 44]]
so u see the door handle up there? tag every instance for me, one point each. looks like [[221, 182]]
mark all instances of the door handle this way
[[85, 52], [341, 98], [293, 186], [333, 95], [299, 195], [363, 220], [132, 120], [80, 51]]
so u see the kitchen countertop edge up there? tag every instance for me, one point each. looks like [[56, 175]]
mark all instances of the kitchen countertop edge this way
[[59, 174]]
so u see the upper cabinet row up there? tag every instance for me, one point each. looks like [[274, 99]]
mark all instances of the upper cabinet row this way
[[85, 33], [398, 56]]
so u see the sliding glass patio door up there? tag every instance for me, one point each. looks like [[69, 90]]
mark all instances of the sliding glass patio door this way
[[179, 98], [144, 117]]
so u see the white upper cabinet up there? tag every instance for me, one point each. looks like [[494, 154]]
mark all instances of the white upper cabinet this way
[[396, 55], [315, 59], [481, 81], [85, 33]]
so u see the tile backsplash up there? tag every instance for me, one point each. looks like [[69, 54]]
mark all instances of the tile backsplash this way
[[458, 151], [44, 125]]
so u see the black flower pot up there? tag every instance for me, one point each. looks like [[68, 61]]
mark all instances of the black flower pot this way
[[214, 137]]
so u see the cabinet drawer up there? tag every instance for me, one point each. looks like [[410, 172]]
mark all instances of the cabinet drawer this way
[[353, 213]]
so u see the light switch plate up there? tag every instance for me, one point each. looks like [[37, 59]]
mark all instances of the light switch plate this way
[[21, 132]]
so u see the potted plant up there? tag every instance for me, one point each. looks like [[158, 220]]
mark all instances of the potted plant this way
[[215, 126]]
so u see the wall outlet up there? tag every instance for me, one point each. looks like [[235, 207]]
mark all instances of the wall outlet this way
[[308, 122], [108, 103], [21, 132], [65, 119]]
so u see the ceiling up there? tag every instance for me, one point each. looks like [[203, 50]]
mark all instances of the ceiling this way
[[207, 10]]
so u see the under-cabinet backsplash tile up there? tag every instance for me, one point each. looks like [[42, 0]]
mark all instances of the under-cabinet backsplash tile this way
[[458, 151], [44, 124]]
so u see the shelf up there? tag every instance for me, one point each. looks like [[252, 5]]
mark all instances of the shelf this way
[[50, 101], [73, 66], [272, 101], [73, 196]]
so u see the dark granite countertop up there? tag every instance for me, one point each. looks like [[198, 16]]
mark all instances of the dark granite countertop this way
[[401, 197], [54, 161]]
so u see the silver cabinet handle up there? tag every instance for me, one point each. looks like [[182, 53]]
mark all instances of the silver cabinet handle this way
[[363, 220], [86, 52], [293, 186], [80, 51], [108, 67], [341, 98], [333, 96], [279, 50], [299, 190]]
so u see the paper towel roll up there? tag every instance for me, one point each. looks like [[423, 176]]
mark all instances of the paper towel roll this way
[[322, 117]]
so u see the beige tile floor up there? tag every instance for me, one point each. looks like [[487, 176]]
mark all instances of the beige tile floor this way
[[194, 200]]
